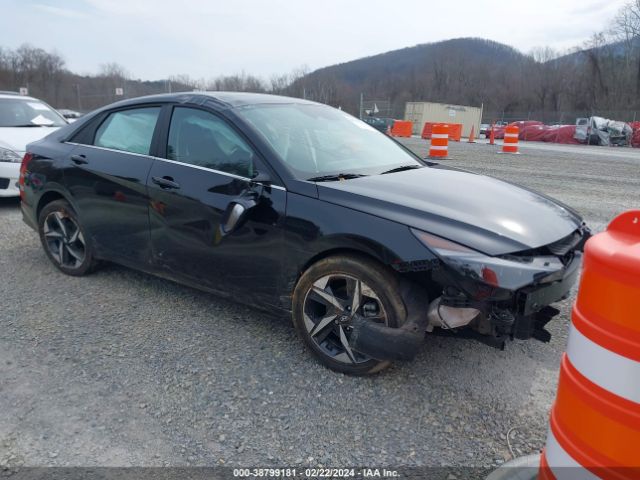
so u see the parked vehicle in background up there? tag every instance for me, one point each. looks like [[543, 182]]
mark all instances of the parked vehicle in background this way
[[70, 115], [498, 129], [484, 129], [299, 208], [380, 124], [22, 120], [601, 131]]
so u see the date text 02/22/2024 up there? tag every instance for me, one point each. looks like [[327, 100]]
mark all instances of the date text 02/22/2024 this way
[[315, 473]]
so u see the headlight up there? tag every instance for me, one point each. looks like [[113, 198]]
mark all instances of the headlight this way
[[440, 245], [494, 271], [7, 155]]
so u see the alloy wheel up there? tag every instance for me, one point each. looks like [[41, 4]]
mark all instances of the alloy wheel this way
[[330, 306], [64, 240]]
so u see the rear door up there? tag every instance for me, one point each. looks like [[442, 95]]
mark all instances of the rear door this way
[[107, 176], [207, 164]]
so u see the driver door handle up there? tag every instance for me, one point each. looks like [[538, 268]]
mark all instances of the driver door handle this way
[[165, 182]]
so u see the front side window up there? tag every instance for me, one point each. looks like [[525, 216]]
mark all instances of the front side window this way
[[200, 138], [128, 130]]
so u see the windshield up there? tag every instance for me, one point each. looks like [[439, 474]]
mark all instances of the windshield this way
[[316, 140], [28, 112]]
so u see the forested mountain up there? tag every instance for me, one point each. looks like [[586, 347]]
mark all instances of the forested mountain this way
[[471, 71]]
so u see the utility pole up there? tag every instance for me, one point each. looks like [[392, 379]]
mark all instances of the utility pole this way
[[361, 102], [78, 96]]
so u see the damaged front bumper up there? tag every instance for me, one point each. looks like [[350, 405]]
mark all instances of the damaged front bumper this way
[[491, 299], [512, 295]]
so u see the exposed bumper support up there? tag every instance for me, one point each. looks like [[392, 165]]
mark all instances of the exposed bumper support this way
[[386, 343]]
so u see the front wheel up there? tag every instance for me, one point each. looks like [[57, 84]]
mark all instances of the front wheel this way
[[334, 291], [64, 240]]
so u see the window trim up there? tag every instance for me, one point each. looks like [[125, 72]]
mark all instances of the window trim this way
[[86, 134], [198, 167], [109, 113], [163, 142], [161, 137]]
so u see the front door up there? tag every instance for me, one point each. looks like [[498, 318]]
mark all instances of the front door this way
[[209, 164]]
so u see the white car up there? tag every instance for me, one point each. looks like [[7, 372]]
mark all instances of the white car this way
[[70, 115], [22, 120]]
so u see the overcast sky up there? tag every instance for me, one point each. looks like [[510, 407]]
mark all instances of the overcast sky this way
[[153, 39]]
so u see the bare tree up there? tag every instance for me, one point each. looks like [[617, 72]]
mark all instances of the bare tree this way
[[627, 29]]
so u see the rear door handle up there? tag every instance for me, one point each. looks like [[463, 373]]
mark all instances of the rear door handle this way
[[79, 159], [165, 182]]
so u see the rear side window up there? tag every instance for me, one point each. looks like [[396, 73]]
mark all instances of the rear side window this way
[[128, 130]]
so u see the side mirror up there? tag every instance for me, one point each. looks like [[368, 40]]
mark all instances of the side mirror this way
[[238, 209], [234, 214]]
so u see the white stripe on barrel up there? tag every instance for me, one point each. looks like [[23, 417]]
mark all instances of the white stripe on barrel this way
[[615, 373], [563, 466], [439, 135]]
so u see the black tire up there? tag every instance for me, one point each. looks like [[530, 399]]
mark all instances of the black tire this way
[[64, 240], [380, 289]]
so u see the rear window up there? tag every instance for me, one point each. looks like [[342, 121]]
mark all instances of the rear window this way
[[128, 130]]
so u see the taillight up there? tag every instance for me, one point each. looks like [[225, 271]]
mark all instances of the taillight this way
[[23, 171]]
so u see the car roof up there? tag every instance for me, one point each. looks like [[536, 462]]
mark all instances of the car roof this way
[[217, 100], [5, 94]]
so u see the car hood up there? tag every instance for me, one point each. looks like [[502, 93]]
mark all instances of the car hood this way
[[489, 215], [17, 138]]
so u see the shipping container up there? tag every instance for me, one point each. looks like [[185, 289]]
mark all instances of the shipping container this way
[[421, 112]]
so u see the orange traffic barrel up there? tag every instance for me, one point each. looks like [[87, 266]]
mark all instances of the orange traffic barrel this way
[[511, 137], [439, 141], [595, 420]]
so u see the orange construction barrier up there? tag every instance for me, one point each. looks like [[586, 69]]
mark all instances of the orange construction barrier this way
[[595, 421], [511, 136], [426, 130], [439, 141], [401, 128], [455, 130]]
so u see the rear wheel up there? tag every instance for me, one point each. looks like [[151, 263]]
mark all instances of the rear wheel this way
[[330, 294], [64, 240]]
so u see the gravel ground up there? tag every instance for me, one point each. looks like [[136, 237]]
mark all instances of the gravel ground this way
[[124, 369]]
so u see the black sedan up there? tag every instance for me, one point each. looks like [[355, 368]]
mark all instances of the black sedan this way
[[291, 206]]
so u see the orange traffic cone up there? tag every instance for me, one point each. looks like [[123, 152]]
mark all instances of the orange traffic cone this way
[[492, 137], [594, 428], [472, 137]]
